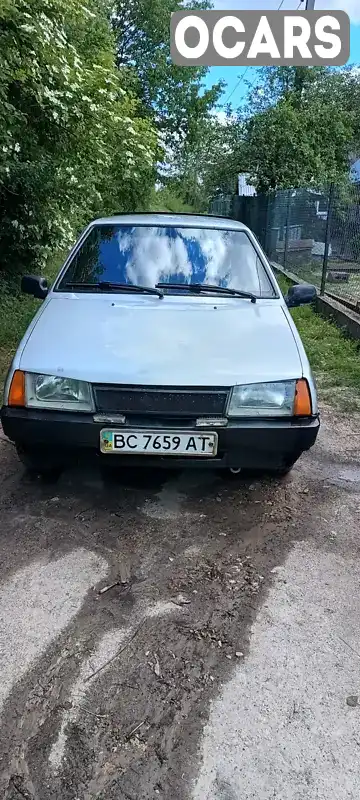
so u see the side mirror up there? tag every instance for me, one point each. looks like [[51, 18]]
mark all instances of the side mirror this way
[[300, 294], [35, 285]]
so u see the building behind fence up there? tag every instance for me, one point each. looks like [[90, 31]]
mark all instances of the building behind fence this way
[[314, 234]]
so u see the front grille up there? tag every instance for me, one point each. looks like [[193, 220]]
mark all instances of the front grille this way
[[170, 401]]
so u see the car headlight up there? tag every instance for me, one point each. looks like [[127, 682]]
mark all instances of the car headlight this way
[[263, 400], [51, 391]]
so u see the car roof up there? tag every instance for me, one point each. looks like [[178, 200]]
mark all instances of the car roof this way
[[173, 220]]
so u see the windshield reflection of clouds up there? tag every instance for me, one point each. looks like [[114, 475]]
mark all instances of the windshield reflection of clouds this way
[[149, 255], [223, 258], [152, 255]]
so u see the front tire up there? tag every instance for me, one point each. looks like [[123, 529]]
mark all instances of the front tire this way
[[281, 472], [40, 463]]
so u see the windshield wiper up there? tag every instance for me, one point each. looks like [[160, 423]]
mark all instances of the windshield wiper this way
[[108, 286], [208, 287]]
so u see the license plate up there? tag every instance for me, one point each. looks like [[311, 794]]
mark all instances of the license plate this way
[[169, 443]]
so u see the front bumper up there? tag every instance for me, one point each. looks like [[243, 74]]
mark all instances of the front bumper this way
[[250, 444]]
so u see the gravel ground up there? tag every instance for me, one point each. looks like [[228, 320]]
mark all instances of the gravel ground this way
[[181, 636]]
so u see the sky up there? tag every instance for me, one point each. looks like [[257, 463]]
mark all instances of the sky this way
[[235, 91]]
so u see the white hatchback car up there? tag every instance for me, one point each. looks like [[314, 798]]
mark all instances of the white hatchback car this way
[[165, 339]]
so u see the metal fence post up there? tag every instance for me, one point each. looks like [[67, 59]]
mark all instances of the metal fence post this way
[[270, 210], [267, 227], [327, 238], [287, 233]]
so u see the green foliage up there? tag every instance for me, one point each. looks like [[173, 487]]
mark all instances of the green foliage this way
[[16, 314], [73, 141], [299, 128], [305, 86], [167, 200], [302, 134], [173, 95], [209, 164], [276, 83]]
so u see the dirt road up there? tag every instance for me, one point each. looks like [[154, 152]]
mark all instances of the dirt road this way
[[182, 637]]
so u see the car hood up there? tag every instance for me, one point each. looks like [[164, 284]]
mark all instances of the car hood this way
[[170, 342]]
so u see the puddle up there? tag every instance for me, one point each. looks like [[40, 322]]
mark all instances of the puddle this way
[[166, 506], [350, 475], [346, 476]]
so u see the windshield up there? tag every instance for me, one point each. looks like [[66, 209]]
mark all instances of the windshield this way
[[149, 255]]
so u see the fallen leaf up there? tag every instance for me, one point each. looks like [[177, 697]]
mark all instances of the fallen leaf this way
[[107, 588], [180, 600], [124, 572], [156, 666]]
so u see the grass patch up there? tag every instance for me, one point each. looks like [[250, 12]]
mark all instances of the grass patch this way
[[16, 312], [15, 315], [167, 200], [312, 272], [334, 357]]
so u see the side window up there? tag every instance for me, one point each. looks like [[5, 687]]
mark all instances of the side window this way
[[266, 287]]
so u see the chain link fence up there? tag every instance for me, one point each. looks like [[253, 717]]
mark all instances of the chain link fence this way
[[313, 233]]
